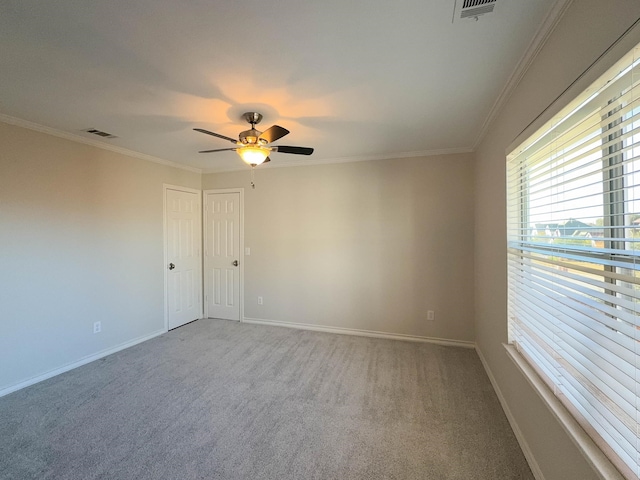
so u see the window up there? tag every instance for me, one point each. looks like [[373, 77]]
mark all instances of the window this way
[[573, 220]]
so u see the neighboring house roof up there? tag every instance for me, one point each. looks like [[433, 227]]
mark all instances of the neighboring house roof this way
[[573, 226], [569, 228]]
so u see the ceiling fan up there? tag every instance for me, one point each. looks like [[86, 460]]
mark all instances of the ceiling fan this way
[[254, 146]]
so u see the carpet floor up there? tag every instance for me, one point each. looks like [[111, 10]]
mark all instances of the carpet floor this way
[[224, 400]]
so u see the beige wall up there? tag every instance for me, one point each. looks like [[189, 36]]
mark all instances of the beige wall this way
[[366, 245], [585, 32], [81, 240]]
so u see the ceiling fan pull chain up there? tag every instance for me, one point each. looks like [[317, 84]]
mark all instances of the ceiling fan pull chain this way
[[253, 168]]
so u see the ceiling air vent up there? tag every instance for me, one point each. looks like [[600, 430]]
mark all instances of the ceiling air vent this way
[[473, 8], [99, 133]]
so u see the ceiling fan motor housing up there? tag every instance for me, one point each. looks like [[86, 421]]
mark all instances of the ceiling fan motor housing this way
[[252, 137]]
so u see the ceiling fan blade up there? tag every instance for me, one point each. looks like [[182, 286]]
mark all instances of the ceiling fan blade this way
[[294, 150], [215, 135], [274, 133], [216, 150]]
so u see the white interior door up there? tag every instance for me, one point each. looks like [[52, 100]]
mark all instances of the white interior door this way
[[183, 262], [222, 255]]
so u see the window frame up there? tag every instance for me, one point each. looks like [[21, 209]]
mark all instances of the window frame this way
[[568, 420]]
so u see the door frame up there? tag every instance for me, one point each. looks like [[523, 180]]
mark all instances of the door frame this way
[[206, 285], [165, 188]]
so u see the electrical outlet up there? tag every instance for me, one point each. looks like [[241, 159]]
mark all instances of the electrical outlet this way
[[430, 315], [97, 327], [260, 301]]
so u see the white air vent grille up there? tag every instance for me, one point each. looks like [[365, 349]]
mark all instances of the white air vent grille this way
[[473, 8], [99, 133], [475, 3]]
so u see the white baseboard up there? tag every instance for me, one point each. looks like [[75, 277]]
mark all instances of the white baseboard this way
[[361, 333], [83, 361], [528, 454]]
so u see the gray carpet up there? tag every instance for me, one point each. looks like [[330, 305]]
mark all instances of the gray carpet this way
[[223, 400]]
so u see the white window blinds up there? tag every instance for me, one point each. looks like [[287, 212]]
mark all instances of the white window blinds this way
[[573, 194]]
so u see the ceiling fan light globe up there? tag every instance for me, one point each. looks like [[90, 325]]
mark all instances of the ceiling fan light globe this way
[[253, 155]]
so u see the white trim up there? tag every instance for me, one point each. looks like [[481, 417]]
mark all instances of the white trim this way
[[165, 306], [524, 446], [165, 187], [90, 141], [539, 39], [79, 363], [361, 333], [591, 452], [280, 163], [215, 191]]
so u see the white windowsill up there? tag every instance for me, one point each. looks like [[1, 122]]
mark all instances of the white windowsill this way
[[594, 455]]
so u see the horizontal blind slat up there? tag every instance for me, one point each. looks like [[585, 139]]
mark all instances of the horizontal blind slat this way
[[612, 388], [598, 312], [617, 441], [582, 268], [623, 371]]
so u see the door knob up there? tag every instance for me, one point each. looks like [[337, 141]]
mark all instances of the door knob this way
[[171, 266], [235, 263]]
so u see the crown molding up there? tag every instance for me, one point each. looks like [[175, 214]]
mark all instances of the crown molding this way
[[241, 166], [364, 158], [94, 143], [541, 36]]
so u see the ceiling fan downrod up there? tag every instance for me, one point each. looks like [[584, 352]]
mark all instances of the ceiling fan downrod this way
[[253, 118]]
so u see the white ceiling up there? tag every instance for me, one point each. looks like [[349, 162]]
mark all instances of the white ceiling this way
[[354, 79]]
